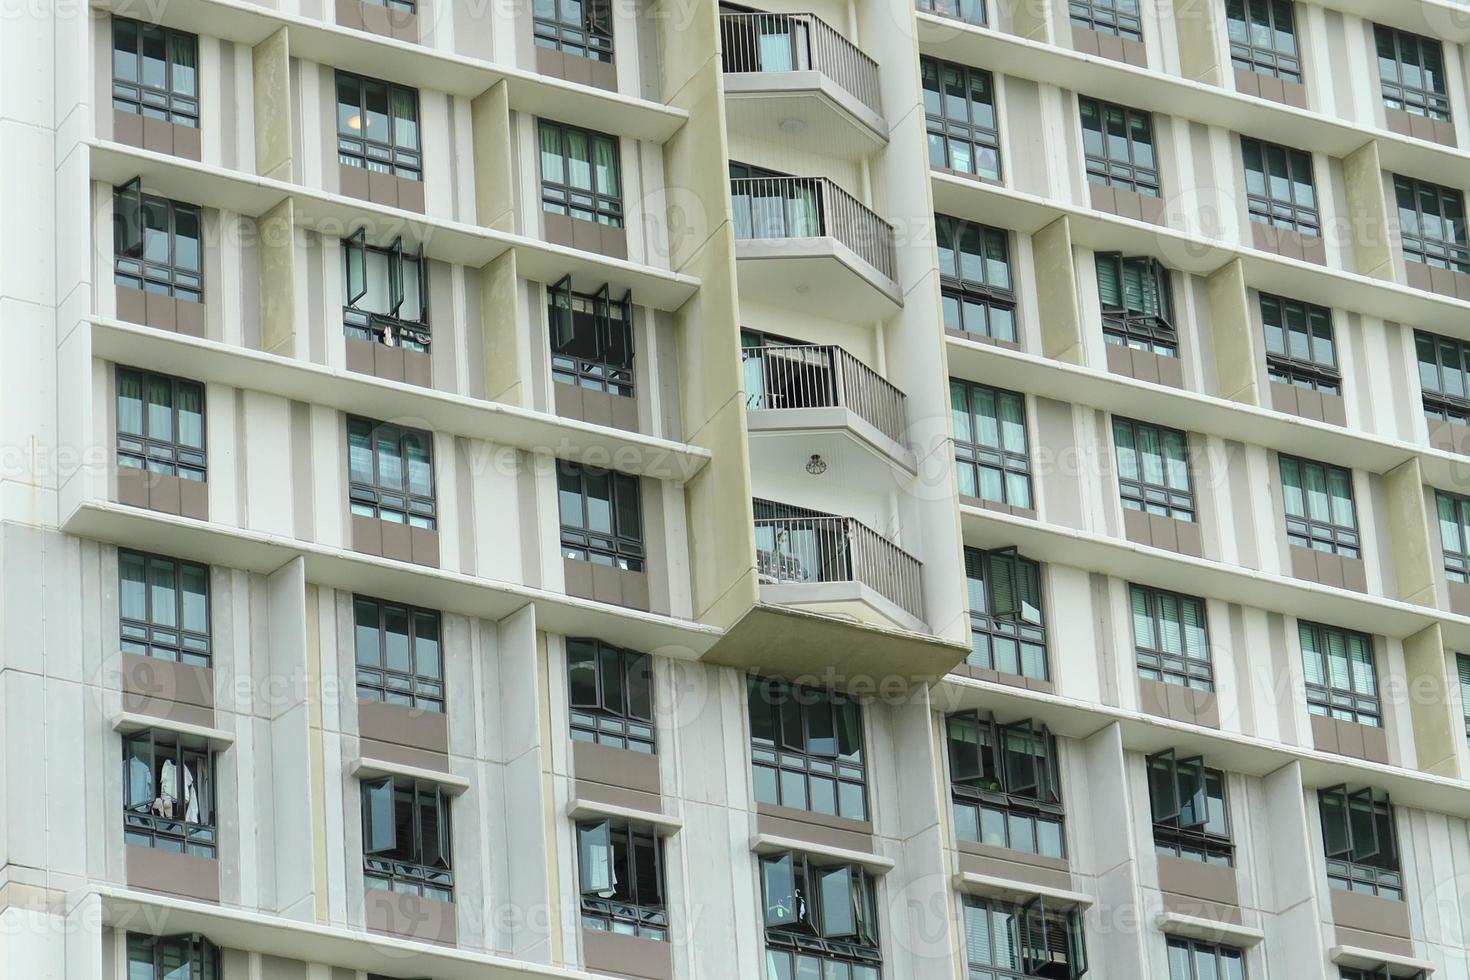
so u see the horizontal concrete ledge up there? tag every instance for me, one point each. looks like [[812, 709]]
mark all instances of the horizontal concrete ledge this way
[[368, 768], [837, 420], [1356, 957], [772, 844], [351, 949], [433, 588], [416, 64], [497, 423], [1012, 890], [818, 275], [1208, 930], [131, 722], [335, 214], [660, 823]]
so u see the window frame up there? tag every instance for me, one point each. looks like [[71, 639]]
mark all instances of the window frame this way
[[943, 130], [1440, 403], [560, 196], [983, 458], [1305, 531], [143, 826], [1266, 207], [1462, 671], [168, 456], [600, 721], [374, 499], [1150, 326], [789, 755], [1143, 492], [131, 267], [1329, 699], [392, 329], [619, 547], [1022, 625], [1119, 18], [151, 638], [1347, 868], [1416, 243], [426, 875], [994, 303], [1180, 829], [1456, 553], [1380, 972], [987, 783], [589, 37], [1124, 174], [955, 9], [1431, 102], [1274, 60], [424, 691], [612, 369], [1218, 952], [632, 913], [357, 149], [1030, 927], [202, 955], [173, 104], [811, 933], [1180, 667], [1294, 317]]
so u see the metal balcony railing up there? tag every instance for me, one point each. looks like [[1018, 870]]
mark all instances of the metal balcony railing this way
[[824, 548], [821, 376], [798, 42], [810, 207]]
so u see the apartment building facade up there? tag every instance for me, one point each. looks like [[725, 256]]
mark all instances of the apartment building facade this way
[[877, 490]]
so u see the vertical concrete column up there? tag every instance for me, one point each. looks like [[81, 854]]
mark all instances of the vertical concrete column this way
[[1409, 533], [1232, 330], [1032, 19], [277, 235], [272, 66], [1370, 232], [711, 384], [494, 176], [1289, 902], [1437, 730], [1201, 41], [1108, 854], [507, 348], [1061, 317]]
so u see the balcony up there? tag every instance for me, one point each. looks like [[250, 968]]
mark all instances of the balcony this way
[[819, 399], [836, 566], [793, 78], [836, 257]]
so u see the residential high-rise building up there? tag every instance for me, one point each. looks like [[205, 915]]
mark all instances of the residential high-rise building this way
[[661, 489]]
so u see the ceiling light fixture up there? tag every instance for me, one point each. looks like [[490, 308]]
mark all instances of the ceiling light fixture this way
[[792, 126], [816, 466]]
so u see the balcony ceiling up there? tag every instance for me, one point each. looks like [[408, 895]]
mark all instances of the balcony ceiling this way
[[802, 111]]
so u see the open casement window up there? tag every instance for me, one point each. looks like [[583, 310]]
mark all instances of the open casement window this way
[[833, 902], [580, 27], [1190, 816], [1052, 943], [591, 338], [168, 792], [406, 837], [1359, 842], [611, 695], [1137, 305], [1016, 759], [180, 957], [387, 291], [127, 219], [621, 879], [1014, 591]]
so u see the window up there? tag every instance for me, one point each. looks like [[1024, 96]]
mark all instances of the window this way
[[1359, 840], [387, 293], [990, 443], [1378, 973], [378, 126], [1319, 506], [1411, 71], [156, 244], [611, 695], [1263, 37], [390, 472], [405, 838], [591, 339], [601, 517], [1118, 144], [1003, 940], [622, 880], [398, 654], [1191, 819], [970, 10], [959, 104], [1342, 682], [1191, 959], [155, 72], [807, 749], [1454, 534], [1117, 17], [975, 282], [1299, 346], [580, 27], [1432, 224], [160, 424], [1171, 638], [1462, 669], [1444, 376], [189, 957], [1007, 628], [821, 920], [1137, 304], [1279, 189], [1153, 469], [580, 175], [168, 792], [163, 606], [1004, 784]]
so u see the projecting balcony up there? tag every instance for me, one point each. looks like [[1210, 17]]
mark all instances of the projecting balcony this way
[[835, 565], [792, 78], [805, 244], [808, 399]]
